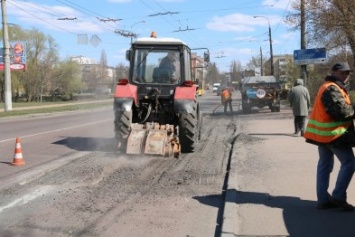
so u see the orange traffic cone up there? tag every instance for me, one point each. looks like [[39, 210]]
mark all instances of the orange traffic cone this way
[[18, 158]]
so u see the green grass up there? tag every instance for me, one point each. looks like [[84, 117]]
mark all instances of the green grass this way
[[57, 107], [29, 104]]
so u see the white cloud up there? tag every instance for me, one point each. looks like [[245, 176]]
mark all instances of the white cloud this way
[[241, 22], [245, 38], [264, 20], [234, 22]]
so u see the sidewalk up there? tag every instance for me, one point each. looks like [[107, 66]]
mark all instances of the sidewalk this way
[[271, 188]]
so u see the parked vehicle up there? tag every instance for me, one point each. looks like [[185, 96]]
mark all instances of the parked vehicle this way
[[215, 87], [219, 89], [261, 91]]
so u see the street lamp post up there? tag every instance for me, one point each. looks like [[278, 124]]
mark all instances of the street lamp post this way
[[132, 27], [261, 62], [6, 58], [270, 41]]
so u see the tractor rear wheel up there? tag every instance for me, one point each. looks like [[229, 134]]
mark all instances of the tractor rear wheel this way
[[188, 132], [123, 121], [200, 122]]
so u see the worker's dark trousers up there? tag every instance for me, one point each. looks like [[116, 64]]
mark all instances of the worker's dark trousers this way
[[230, 106], [299, 122]]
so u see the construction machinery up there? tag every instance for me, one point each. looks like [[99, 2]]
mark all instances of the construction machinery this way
[[261, 91], [156, 108]]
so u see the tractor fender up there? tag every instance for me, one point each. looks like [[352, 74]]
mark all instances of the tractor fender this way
[[127, 91], [124, 97], [185, 99]]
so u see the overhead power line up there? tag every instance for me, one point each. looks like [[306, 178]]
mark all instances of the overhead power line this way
[[186, 29], [125, 33], [67, 18], [164, 13], [108, 19], [16, 5]]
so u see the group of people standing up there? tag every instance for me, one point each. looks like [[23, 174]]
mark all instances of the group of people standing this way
[[330, 126]]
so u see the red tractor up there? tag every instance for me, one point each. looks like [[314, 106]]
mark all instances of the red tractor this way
[[156, 107]]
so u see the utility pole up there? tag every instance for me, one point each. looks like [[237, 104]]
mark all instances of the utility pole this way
[[271, 54], [261, 62], [6, 57], [270, 41], [303, 41]]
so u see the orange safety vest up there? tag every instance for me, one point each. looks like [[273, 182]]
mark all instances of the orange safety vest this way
[[321, 127], [225, 96]]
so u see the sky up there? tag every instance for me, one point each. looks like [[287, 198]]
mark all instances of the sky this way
[[228, 28]]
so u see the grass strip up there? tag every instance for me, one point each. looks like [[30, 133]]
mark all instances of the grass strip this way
[[55, 109]]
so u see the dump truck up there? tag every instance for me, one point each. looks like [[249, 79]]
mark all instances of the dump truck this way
[[156, 108]]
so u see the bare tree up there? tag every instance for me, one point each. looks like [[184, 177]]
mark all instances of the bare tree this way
[[236, 71], [213, 74], [330, 24]]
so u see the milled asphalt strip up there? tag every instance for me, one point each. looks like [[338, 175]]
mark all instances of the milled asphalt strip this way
[[229, 222]]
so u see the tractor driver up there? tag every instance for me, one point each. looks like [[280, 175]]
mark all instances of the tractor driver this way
[[168, 67]]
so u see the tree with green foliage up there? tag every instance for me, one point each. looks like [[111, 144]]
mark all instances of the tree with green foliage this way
[[67, 78], [42, 57], [45, 74]]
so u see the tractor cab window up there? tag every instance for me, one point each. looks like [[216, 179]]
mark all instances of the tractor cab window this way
[[153, 66]]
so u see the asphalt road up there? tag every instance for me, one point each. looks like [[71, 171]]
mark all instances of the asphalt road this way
[[249, 177], [75, 183]]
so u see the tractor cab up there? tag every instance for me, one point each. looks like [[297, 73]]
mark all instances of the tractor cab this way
[[159, 61]]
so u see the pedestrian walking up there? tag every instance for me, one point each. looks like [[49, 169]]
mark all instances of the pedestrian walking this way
[[331, 128], [300, 101], [226, 99]]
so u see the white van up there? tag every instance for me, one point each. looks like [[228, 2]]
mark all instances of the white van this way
[[215, 87]]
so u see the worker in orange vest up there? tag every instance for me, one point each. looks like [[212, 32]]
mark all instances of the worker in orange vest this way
[[331, 128], [226, 99]]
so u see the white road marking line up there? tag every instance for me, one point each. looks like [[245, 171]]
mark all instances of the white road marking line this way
[[56, 130], [26, 198]]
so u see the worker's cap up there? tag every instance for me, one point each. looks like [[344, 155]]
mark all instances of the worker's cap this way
[[341, 67]]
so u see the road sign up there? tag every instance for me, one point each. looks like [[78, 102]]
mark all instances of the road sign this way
[[309, 56]]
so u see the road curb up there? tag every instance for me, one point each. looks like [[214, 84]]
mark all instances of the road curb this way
[[229, 222]]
